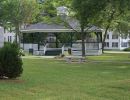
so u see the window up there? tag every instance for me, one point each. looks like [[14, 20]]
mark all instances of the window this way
[[106, 44], [124, 36], [8, 39], [114, 44], [107, 36], [124, 44], [115, 36], [4, 39]]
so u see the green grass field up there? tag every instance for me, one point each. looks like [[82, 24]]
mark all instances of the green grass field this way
[[49, 79]]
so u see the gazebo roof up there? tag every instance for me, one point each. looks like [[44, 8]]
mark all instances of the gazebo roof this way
[[46, 27]]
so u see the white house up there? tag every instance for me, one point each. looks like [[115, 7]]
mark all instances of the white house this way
[[116, 41], [6, 36], [9, 36], [1, 36]]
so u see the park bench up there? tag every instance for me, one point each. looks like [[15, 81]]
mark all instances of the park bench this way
[[79, 59]]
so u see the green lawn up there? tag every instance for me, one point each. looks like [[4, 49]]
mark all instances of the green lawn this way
[[49, 79], [111, 57]]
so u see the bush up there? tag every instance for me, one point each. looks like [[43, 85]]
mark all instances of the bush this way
[[10, 61], [126, 49], [21, 52]]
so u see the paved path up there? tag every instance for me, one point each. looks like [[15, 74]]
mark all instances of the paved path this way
[[38, 57], [109, 61], [115, 52]]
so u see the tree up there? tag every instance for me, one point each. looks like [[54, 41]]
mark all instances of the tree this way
[[66, 37], [38, 38], [18, 13], [123, 26], [111, 16], [85, 12]]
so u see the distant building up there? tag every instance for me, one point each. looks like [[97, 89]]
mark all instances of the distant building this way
[[6, 36], [62, 10], [1, 36], [9, 37], [117, 41]]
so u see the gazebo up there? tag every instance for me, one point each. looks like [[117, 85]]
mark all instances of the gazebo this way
[[92, 46]]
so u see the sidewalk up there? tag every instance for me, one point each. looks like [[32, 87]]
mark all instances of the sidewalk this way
[[109, 61], [115, 52], [38, 57]]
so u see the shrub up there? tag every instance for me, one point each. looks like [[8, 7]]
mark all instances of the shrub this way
[[21, 52], [126, 49], [10, 61]]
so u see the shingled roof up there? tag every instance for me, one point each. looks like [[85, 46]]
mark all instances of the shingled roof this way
[[46, 27]]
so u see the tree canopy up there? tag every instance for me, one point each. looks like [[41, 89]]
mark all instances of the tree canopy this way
[[113, 15], [18, 13], [107, 14]]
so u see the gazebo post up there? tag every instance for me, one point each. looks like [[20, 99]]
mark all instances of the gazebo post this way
[[98, 39], [100, 36], [23, 40], [97, 35], [33, 43], [38, 41], [71, 38], [56, 42]]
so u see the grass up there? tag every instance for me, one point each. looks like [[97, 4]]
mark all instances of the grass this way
[[112, 57], [49, 79]]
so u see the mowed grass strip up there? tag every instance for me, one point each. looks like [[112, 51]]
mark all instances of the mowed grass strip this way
[[50, 79], [123, 57]]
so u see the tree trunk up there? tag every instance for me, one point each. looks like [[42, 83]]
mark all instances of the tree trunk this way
[[38, 46], [17, 33], [108, 26], [38, 41], [83, 42], [104, 37]]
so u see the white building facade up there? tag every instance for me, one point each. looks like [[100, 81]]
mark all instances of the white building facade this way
[[6, 36], [113, 41], [116, 41], [9, 37], [1, 36]]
